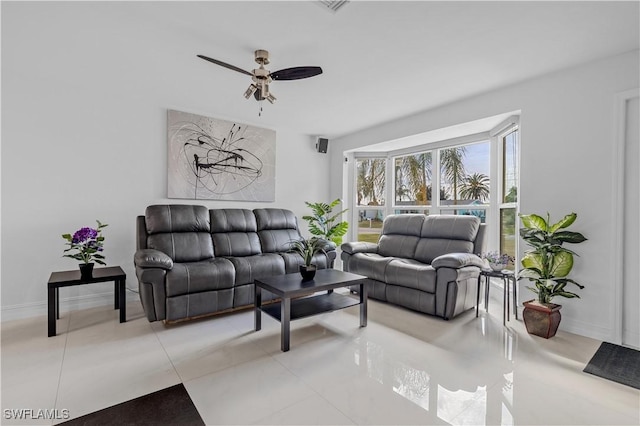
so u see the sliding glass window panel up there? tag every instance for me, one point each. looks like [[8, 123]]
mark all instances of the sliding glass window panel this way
[[412, 183], [370, 181], [464, 174], [510, 167], [370, 224], [508, 233]]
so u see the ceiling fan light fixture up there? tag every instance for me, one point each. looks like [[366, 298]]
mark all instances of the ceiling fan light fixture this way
[[270, 98], [252, 88]]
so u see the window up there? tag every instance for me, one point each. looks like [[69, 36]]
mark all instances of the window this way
[[370, 197], [470, 175], [509, 146], [412, 185], [464, 177]]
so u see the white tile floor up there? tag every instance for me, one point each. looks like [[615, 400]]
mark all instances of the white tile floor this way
[[403, 368]]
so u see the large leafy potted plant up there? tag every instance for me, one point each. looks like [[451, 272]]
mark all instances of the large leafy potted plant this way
[[325, 223], [307, 248], [547, 265]]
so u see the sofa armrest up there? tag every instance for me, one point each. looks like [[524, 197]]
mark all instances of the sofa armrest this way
[[327, 245], [150, 258], [359, 247], [457, 260]]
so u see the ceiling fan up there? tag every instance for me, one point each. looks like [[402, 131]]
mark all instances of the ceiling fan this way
[[262, 77]]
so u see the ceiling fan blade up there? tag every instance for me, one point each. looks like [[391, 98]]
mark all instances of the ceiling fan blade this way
[[224, 64], [295, 73]]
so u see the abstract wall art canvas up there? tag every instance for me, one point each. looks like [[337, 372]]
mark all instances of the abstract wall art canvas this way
[[213, 159]]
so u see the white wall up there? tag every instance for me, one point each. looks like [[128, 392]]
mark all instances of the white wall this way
[[84, 100], [567, 157]]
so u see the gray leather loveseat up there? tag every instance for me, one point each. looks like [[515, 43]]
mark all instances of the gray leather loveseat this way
[[424, 263], [191, 261]]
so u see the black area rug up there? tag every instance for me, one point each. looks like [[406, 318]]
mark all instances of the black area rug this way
[[617, 363], [170, 406]]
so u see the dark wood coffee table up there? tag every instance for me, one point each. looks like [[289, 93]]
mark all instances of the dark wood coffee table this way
[[293, 305]]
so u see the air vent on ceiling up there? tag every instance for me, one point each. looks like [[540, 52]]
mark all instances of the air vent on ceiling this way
[[333, 5]]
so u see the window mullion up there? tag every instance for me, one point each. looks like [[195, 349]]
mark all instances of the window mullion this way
[[435, 182]]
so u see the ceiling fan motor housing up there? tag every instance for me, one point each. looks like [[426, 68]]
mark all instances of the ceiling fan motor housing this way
[[262, 56]]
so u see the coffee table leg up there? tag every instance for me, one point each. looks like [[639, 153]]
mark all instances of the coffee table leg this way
[[51, 314], [257, 324], [122, 300], [116, 294], [285, 319], [363, 305]]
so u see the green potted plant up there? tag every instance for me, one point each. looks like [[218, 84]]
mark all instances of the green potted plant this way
[[325, 223], [547, 265], [307, 248], [88, 246]]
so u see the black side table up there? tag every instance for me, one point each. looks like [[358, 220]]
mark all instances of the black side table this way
[[508, 279], [71, 278]]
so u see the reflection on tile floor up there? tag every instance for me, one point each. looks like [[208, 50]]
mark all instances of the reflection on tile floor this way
[[403, 368]]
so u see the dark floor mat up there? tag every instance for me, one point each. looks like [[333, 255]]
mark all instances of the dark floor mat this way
[[170, 406], [617, 363]]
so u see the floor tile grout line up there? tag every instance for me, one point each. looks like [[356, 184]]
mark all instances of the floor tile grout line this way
[[164, 349], [312, 388]]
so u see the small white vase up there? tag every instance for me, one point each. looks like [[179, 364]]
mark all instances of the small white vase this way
[[498, 266]]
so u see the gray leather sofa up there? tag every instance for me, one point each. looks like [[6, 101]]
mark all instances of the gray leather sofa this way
[[191, 261], [424, 263]]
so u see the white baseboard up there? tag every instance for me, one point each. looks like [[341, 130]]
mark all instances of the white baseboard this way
[[587, 329], [29, 310]]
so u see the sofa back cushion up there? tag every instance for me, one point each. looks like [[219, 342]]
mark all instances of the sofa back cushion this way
[[443, 234], [180, 231], [234, 232], [400, 235], [276, 229]]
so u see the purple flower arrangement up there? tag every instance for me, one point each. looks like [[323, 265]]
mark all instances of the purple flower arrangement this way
[[87, 244], [493, 257]]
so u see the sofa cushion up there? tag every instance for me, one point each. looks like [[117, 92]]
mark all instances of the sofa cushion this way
[[234, 232], [411, 298], [194, 277], [451, 227], [371, 265], [412, 274], [277, 228], [400, 235], [183, 246], [442, 234], [198, 304], [176, 218], [248, 268], [180, 231], [233, 220]]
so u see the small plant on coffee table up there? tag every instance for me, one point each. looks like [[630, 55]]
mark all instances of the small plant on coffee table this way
[[307, 248]]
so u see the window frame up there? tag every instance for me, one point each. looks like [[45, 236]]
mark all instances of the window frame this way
[[496, 180]]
